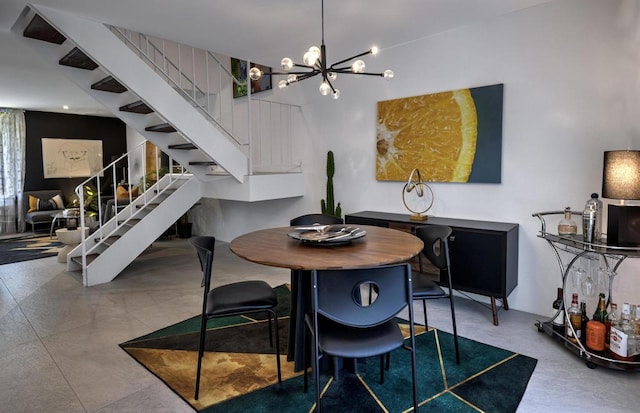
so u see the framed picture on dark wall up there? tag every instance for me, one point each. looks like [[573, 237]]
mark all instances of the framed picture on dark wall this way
[[239, 71], [71, 158]]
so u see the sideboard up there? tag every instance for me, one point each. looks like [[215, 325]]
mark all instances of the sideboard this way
[[484, 254]]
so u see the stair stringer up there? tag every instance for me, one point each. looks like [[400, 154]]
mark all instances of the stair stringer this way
[[99, 43], [114, 259]]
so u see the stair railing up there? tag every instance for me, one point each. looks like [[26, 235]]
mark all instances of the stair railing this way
[[104, 210], [186, 65]]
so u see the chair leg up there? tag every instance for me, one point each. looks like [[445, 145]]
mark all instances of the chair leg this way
[[270, 334], [275, 318], [382, 357], [415, 379], [424, 309], [455, 329], [316, 372], [203, 333], [304, 360]]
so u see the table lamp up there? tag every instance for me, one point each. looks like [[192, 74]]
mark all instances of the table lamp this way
[[621, 180]]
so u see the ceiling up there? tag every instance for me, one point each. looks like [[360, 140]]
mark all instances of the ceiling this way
[[259, 30]]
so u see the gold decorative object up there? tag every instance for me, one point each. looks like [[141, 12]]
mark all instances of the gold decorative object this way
[[417, 196]]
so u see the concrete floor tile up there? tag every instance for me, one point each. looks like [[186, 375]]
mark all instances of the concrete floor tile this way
[[31, 382], [16, 330], [94, 365]]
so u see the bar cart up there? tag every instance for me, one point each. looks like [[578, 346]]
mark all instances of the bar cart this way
[[568, 251]]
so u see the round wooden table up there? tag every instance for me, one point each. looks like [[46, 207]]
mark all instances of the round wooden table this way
[[273, 247]]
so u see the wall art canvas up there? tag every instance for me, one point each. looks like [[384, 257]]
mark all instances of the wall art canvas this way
[[453, 136], [71, 158], [239, 71]]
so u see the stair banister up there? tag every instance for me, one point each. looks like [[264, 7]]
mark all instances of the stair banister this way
[[168, 78]]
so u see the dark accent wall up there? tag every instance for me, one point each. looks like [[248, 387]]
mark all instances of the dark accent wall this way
[[111, 131]]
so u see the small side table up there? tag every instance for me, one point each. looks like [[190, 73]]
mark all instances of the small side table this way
[[71, 238]]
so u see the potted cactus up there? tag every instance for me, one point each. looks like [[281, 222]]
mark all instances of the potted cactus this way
[[328, 206]]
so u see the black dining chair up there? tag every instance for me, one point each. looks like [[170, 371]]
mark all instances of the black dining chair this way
[[311, 219], [341, 325], [300, 288], [436, 249], [243, 297]]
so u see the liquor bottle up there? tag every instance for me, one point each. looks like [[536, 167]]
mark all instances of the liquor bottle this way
[[601, 311], [635, 319], [595, 336], [612, 321], [583, 321], [621, 336], [558, 321], [596, 329], [567, 226], [575, 319], [636, 327]]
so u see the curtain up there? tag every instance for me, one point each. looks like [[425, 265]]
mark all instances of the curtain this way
[[12, 170]]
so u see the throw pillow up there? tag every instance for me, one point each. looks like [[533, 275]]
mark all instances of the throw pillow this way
[[37, 204], [122, 193], [57, 201]]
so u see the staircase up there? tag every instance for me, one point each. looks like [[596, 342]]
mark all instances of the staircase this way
[[93, 57]]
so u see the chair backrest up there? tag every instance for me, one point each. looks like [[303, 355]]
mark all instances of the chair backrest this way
[[311, 219], [337, 294], [436, 244], [205, 247]]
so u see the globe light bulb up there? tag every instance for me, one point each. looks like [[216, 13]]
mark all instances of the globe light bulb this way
[[311, 56], [286, 63], [325, 89], [388, 74], [374, 50], [336, 94], [332, 76], [357, 66], [292, 78], [315, 50], [283, 84], [255, 73]]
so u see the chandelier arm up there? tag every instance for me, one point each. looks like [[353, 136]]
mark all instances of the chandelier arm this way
[[314, 72], [368, 74], [348, 71], [326, 79], [350, 58], [301, 65], [308, 75]]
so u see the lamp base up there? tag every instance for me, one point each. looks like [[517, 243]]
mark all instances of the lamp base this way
[[418, 217], [623, 225]]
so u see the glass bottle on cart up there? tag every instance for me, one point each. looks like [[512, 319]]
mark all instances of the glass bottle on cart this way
[[567, 226], [575, 319]]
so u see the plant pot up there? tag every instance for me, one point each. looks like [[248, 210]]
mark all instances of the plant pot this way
[[184, 230]]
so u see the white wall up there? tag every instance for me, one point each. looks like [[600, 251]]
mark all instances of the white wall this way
[[570, 70]]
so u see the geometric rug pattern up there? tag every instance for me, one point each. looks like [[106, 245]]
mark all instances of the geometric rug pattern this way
[[239, 371], [28, 248]]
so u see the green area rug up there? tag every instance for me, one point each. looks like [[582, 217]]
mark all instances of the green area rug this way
[[239, 371], [28, 248]]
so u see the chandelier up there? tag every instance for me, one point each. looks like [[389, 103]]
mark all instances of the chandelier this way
[[315, 60]]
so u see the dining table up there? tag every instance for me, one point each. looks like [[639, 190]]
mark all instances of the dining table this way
[[278, 247]]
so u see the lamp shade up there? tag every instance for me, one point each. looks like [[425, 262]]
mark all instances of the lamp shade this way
[[621, 175]]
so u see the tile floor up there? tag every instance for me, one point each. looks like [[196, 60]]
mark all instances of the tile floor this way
[[59, 341]]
